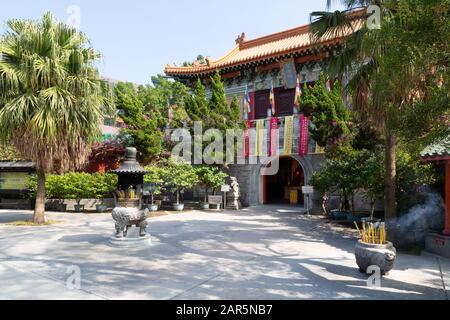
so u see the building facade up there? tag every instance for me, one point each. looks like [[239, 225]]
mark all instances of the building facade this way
[[265, 74]]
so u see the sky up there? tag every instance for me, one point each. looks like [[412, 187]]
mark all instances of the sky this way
[[138, 38]]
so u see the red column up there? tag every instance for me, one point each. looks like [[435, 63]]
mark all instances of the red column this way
[[447, 198]]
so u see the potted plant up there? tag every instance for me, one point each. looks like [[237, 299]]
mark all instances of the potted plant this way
[[373, 249], [153, 185], [103, 186], [209, 177], [179, 176], [78, 187]]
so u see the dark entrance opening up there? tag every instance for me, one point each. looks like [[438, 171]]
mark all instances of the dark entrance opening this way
[[286, 186]]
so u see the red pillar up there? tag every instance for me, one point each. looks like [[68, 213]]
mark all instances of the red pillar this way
[[447, 198]]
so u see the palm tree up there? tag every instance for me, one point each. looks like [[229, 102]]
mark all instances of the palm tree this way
[[51, 97], [383, 79]]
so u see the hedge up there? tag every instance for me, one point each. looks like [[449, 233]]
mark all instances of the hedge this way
[[77, 186]]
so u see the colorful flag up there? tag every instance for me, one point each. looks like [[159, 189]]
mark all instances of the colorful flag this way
[[272, 98], [298, 94], [304, 135], [248, 126], [247, 101], [259, 138], [273, 136]]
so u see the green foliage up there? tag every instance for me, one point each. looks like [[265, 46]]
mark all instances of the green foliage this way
[[329, 117], [155, 178], [9, 153], [179, 176], [52, 98], [235, 110], [364, 170], [75, 185], [142, 130], [210, 177], [197, 104]]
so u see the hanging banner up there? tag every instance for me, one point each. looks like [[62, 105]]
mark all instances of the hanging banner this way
[[259, 137], [304, 135], [273, 136], [248, 125], [288, 132]]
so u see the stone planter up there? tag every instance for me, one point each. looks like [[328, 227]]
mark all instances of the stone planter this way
[[204, 206], [101, 208], [79, 208], [153, 207], [61, 207], [178, 207], [339, 215], [381, 255], [357, 217]]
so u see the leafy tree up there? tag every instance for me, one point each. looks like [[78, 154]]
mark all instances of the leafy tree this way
[[142, 130], [329, 116], [210, 177], [51, 97], [394, 68], [155, 178], [178, 177], [235, 110]]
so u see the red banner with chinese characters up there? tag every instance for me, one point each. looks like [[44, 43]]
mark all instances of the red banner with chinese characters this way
[[304, 135], [273, 147], [248, 125]]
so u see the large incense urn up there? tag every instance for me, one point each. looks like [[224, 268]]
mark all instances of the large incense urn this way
[[130, 220], [380, 255]]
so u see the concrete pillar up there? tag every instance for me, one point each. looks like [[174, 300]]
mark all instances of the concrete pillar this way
[[447, 198]]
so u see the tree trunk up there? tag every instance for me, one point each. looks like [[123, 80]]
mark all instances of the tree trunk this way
[[39, 209], [390, 201], [178, 196]]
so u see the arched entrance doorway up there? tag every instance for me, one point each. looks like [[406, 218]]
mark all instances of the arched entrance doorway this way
[[285, 187]]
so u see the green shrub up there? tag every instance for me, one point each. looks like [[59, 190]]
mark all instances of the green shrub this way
[[77, 185]]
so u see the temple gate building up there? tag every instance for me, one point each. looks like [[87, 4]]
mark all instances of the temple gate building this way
[[257, 71]]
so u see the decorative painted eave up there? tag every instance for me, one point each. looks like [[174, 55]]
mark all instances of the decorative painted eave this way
[[272, 47], [439, 151]]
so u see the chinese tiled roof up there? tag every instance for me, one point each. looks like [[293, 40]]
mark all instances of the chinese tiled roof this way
[[437, 151], [276, 45]]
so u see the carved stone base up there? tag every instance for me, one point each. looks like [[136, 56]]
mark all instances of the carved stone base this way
[[133, 240]]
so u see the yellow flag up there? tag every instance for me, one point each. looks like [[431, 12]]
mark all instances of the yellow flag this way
[[288, 132], [259, 137]]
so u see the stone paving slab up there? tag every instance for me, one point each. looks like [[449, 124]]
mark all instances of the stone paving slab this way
[[257, 253]]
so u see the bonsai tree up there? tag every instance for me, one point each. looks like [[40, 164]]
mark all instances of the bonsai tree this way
[[155, 178], [78, 186], [179, 176], [210, 177]]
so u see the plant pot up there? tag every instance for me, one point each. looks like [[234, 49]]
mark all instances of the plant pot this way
[[381, 255], [79, 208], [354, 217], [101, 208], [61, 207], [339, 215], [204, 206], [178, 207], [153, 207]]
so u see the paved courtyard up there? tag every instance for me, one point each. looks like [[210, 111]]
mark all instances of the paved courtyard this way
[[258, 253]]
